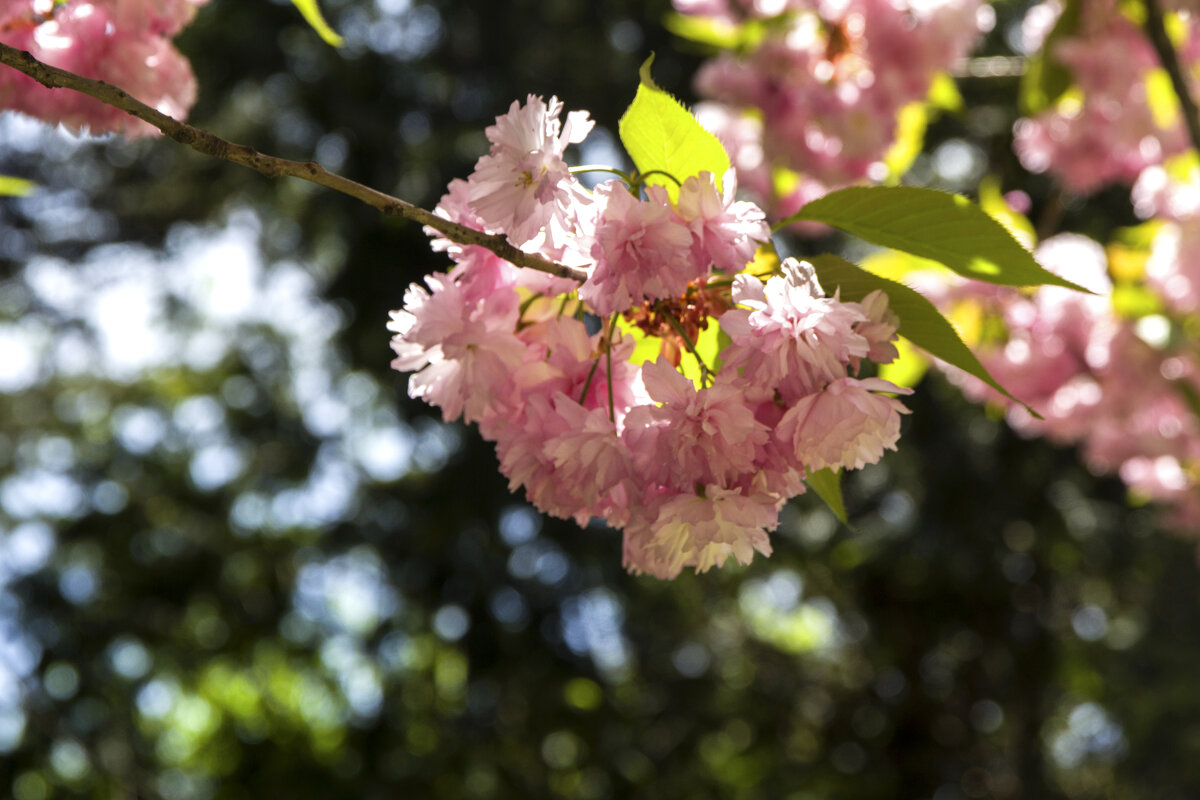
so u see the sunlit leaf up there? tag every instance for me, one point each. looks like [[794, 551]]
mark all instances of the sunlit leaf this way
[[1046, 78], [1162, 100], [313, 16], [911, 122], [661, 135], [15, 187], [646, 348], [1134, 301], [920, 322], [943, 227], [908, 368], [708, 346], [944, 95], [992, 201], [828, 486], [896, 265], [705, 30]]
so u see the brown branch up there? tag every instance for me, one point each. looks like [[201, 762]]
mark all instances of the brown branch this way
[[211, 145], [1157, 32]]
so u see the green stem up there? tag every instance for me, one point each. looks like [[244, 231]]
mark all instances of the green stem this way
[[612, 413], [525, 304], [588, 383], [705, 372], [642, 178], [601, 168]]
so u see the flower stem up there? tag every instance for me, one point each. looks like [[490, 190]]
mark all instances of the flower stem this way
[[641, 179], [705, 372], [601, 168], [612, 413]]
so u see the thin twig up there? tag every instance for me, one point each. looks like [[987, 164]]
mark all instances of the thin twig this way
[[612, 409], [690, 346], [1157, 32], [211, 145]]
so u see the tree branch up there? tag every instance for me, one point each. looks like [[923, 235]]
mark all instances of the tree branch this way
[[211, 145], [1157, 32]]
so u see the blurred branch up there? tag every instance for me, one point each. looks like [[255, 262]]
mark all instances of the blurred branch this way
[[1157, 32], [274, 167]]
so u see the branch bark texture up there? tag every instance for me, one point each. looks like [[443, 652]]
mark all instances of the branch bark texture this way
[[272, 166]]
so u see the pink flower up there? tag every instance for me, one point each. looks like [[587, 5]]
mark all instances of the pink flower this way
[[1112, 134], [479, 267], [520, 435], [845, 425], [828, 82], [727, 232], [791, 338], [523, 188], [699, 530], [123, 42], [707, 436], [159, 17], [464, 348], [590, 461], [880, 328], [568, 356], [642, 251]]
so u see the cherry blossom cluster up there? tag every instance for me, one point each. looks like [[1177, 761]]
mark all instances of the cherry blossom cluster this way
[[820, 93], [124, 42], [1110, 126], [1124, 390], [693, 469]]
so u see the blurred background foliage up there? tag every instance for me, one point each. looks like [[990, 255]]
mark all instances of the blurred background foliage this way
[[236, 561]]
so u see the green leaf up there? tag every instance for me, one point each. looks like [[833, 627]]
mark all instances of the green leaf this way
[[911, 122], [944, 95], [992, 201], [936, 225], [1047, 79], [312, 15], [920, 322], [828, 486], [705, 30], [15, 187], [660, 134], [708, 347], [1162, 100], [909, 366]]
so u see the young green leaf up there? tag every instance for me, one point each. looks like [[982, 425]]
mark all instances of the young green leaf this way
[[1046, 79], [15, 187], [828, 486], [312, 15], [937, 225], [920, 322], [661, 135]]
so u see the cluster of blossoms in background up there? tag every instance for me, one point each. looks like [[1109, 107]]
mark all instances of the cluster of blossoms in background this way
[[1112, 124], [124, 42], [820, 93], [548, 370], [580, 384], [1122, 389], [1120, 382]]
